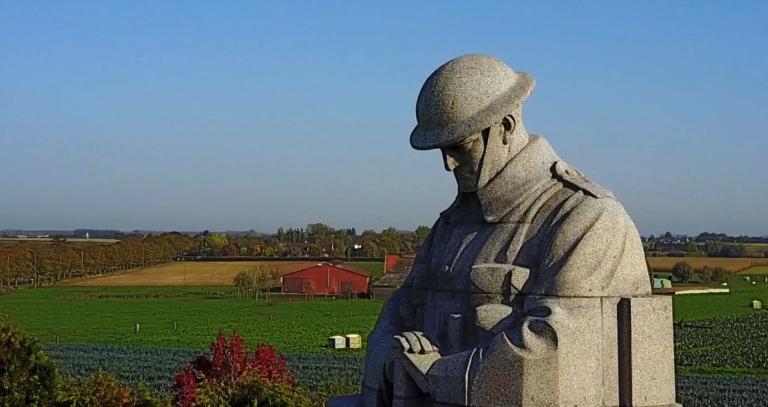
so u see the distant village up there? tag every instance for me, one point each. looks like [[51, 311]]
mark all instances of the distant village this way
[[706, 244]]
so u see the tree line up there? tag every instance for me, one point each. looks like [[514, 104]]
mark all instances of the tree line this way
[[681, 245], [25, 263], [316, 240]]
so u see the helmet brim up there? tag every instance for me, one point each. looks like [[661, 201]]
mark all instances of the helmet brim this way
[[423, 138]]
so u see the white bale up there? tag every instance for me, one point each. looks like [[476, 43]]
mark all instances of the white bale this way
[[354, 341], [337, 342]]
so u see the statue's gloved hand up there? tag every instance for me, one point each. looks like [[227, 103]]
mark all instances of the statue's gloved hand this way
[[418, 350]]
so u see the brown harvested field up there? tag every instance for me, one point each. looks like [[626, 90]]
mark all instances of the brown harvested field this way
[[730, 264], [187, 273]]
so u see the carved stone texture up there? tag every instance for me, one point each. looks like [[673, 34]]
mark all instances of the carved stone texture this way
[[512, 299]]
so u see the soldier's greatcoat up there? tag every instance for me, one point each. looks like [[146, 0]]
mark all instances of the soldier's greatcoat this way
[[538, 228]]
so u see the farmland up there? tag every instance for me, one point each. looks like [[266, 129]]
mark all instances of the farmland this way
[[735, 303], [188, 317], [719, 340], [182, 317], [156, 366], [327, 374], [731, 264], [723, 345], [200, 273], [375, 267], [758, 270]]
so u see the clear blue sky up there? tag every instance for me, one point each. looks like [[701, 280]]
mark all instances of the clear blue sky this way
[[198, 115]]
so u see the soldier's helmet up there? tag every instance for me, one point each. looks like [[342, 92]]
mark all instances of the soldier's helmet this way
[[464, 96]]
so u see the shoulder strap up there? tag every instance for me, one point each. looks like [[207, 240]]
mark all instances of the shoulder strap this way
[[574, 177]]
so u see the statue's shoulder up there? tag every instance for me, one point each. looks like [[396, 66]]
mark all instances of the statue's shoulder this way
[[574, 178]]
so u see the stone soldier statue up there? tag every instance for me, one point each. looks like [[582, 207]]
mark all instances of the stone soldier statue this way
[[512, 299]]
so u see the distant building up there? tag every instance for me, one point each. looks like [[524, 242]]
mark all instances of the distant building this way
[[403, 261], [327, 278]]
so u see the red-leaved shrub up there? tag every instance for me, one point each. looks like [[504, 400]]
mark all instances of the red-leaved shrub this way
[[229, 365]]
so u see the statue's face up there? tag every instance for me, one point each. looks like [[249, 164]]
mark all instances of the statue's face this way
[[464, 160]]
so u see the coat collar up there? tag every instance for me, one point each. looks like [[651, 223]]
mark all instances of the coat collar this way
[[522, 179]]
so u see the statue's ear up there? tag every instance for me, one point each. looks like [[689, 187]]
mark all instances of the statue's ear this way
[[508, 124]]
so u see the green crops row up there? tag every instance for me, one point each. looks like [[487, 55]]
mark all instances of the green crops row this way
[[707, 391], [182, 317], [726, 344], [329, 374], [156, 367]]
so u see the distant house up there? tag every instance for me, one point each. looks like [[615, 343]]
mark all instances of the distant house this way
[[327, 278], [662, 283]]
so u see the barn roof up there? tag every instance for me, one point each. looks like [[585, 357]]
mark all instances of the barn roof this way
[[341, 266]]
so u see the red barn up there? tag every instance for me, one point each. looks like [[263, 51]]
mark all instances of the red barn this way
[[391, 261], [327, 278]]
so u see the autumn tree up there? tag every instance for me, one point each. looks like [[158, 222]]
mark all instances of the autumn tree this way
[[682, 271]]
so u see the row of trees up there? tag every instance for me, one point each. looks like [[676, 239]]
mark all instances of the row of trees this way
[[684, 272], [679, 248], [25, 263], [317, 240], [257, 281], [720, 249]]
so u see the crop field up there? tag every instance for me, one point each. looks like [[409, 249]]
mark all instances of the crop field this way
[[721, 343], [182, 317], [714, 391], [724, 345], [202, 273], [329, 374], [757, 270], [730, 264], [156, 367], [737, 302], [375, 267]]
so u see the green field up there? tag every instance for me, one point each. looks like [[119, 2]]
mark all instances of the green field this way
[[758, 270], [188, 317], [182, 317], [737, 302], [719, 339], [375, 267]]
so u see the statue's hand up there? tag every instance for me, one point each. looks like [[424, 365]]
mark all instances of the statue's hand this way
[[419, 351]]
